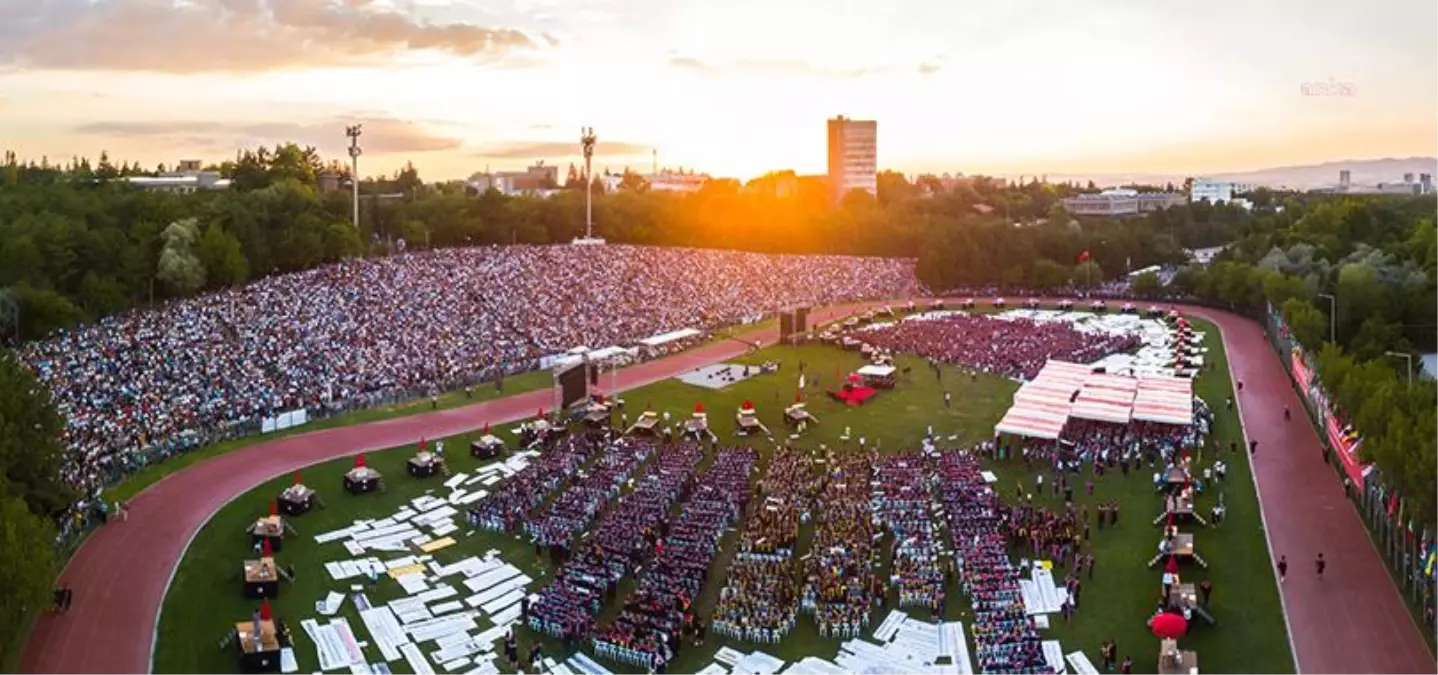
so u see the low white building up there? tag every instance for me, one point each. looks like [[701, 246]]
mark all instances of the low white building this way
[[1215, 191], [187, 178]]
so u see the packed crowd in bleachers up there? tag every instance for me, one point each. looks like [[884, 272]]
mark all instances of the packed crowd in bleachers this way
[[1010, 347], [1005, 638], [839, 586], [901, 506], [650, 629], [333, 335], [615, 546], [761, 594], [574, 510], [507, 508]]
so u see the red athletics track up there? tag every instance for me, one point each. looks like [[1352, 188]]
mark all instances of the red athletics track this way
[[1354, 621]]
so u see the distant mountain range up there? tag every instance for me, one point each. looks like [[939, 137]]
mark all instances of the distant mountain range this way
[[1306, 177]]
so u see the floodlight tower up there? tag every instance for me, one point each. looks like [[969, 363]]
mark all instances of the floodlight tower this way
[[353, 132], [586, 142]]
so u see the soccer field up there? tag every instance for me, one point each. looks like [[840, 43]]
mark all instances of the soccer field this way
[[205, 597]]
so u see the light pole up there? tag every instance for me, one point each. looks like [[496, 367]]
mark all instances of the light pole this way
[[1405, 357], [1332, 317], [353, 132], [586, 142]]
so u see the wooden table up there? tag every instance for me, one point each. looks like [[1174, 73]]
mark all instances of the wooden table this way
[[269, 528], [646, 424], [1189, 660], [296, 500], [487, 447], [262, 578], [423, 464], [1183, 545], [263, 657], [361, 480], [1183, 594]]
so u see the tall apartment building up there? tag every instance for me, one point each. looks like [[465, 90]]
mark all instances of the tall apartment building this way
[[853, 156]]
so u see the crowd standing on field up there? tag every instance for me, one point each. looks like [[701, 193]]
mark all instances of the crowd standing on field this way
[[1016, 348]]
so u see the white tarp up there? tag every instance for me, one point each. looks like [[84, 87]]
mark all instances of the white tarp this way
[[876, 371], [665, 338], [285, 420]]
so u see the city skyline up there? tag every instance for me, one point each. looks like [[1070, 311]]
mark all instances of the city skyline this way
[[738, 89]]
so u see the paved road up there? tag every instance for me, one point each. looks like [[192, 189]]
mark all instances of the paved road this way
[[1353, 621]]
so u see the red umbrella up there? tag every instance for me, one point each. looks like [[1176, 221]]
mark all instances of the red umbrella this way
[[274, 508], [1172, 566], [1168, 626], [486, 428], [266, 551], [359, 461], [748, 405], [297, 478], [698, 408], [265, 610]]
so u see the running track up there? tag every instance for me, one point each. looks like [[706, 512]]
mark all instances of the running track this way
[[1353, 621]]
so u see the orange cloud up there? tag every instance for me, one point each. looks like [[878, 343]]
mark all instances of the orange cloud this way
[[551, 149], [381, 136], [232, 35]]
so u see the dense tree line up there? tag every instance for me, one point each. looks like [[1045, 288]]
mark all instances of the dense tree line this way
[[78, 242], [1354, 279], [30, 495]]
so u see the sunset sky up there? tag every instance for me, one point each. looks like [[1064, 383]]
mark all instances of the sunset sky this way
[[735, 88]]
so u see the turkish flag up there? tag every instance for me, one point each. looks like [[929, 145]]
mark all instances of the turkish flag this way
[[1083, 257]]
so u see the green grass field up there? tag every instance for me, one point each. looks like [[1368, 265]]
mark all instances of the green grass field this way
[[205, 598]]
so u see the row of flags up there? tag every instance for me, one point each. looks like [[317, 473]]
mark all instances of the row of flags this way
[[1427, 547]]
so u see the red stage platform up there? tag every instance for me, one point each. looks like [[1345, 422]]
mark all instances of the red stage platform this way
[[851, 395]]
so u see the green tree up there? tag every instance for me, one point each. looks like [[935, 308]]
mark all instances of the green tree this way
[[178, 265], [1147, 285], [222, 258], [30, 429], [1308, 325], [28, 571], [1048, 274], [633, 182], [1088, 274]]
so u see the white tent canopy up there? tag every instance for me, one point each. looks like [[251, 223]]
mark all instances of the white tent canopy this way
[[876, 371], [665, 338]]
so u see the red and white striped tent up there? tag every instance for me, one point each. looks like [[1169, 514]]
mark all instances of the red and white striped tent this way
[[1100, 411], [1032, 421], [1105, 398], [1165, 400], [1109, 381], [1113, 396], [1052, 391], [1064, 371]]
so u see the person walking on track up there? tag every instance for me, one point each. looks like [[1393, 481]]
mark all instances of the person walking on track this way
[[1283, 568], [1319, 564]]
